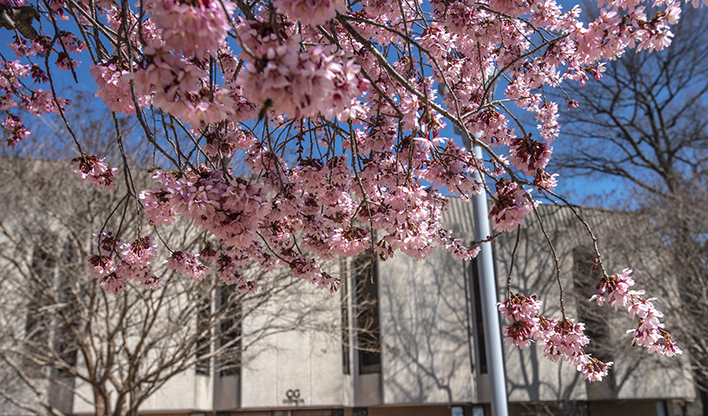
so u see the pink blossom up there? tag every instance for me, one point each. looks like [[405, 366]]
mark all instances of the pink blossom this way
[[13, 3], [114, 88], [153, 282], [561, 339], [72, 43], [312, 12], [300, 84], [592, 368], [65, 62], [101, 266], [650, 332], [511, 204], [134, 263], [194, 27], [96, 171], [523, 312], [16, 131], [139, 252], [187, 264], [107, 243], [545, 181], [42, 102], [112, 284], [529, 155]]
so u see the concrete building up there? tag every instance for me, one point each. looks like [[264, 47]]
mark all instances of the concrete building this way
[[424, 353], [404, 337]]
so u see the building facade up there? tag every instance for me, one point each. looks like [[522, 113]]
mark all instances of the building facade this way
[[412, 344], [404, 337]]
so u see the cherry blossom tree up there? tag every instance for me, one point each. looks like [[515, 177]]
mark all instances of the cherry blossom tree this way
[[333, 108]]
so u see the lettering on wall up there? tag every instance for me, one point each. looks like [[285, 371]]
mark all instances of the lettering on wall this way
[[292, 397]]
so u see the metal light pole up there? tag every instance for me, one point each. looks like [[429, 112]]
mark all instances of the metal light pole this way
[[487, 286], [488, 296]]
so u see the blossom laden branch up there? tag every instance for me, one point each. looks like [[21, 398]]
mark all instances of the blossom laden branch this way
[[650, 333], [561, 338], [96, 171]]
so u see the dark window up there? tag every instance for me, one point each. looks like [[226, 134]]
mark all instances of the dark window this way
[[64, 341], [367, 300], [477, 316], [37, 321], [586, 276], [346, 341], [229, 358], [48, 333], [203, 336]]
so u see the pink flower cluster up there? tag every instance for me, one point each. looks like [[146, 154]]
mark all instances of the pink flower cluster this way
[[288, 80], [13, 90], [95, 170], [227, 141], [232, 211], [194, 27], [409, 214], [226, 266], [114, 88], [228, 270], [561, 338], [13, 3], [15, 130], [529, 155], [72, 43], [564, 339], [650, 332], [65, 62], [188, 264], [511, 204], [310, 12], [38, 45], [117, 262], [177, 86], [312, 206], [42, 102]]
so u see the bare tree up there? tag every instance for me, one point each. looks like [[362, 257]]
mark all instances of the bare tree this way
[[644, 123], [63, 338]]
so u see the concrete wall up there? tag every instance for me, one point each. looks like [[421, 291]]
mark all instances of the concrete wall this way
[[530, 377], [426, 349], [305, 360]]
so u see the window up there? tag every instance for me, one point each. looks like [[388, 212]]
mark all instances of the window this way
[[477, 317], [344, 299], [64, 341], [229, 359], [47, 333], [203, 336], [36, 319], [585, 278], [219, 332], [367, 304]]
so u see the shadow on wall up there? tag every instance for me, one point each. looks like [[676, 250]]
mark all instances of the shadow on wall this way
[[425, 330]]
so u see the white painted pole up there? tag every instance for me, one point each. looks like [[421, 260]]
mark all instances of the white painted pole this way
[[488, 295], [487, 286]]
